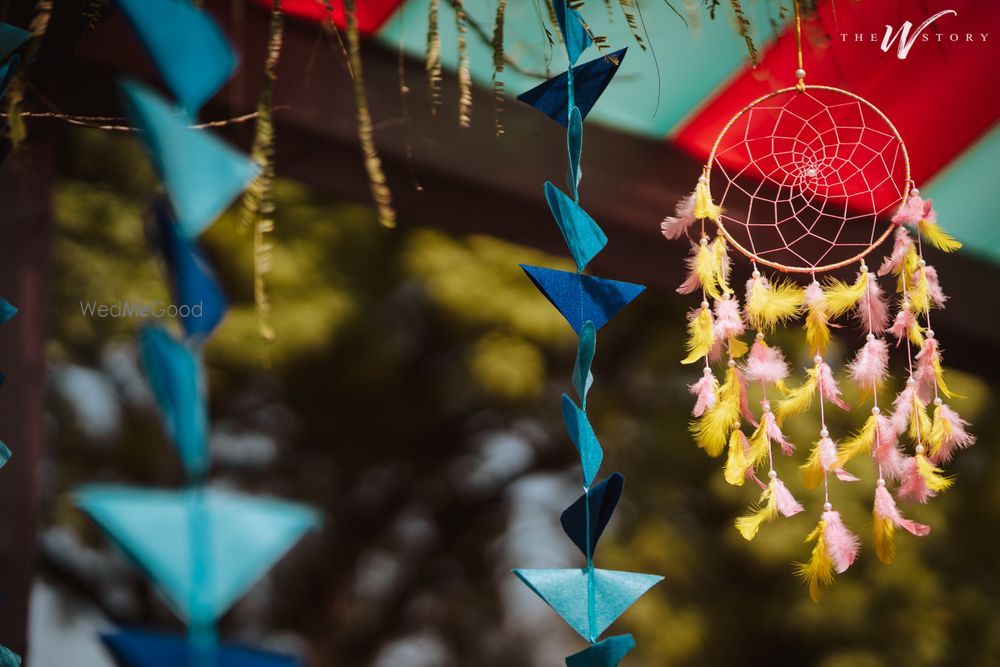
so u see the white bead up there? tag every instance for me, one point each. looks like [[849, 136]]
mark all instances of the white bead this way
[[732, 362], [876, 411], [930, 333], [920, 449], [800, 73], [703, 180], [938, 402], [756, 273], [880, 482], [817, 359], [910, 381], [915, 192], [827, 507], [704, 240], [773, 474], [811, 173], [824, 433], [760, 335], [766, 406], [870, 337], [726, 296], [922, 262], [704, 304], [906, 304], [863, 268], [707, 371]]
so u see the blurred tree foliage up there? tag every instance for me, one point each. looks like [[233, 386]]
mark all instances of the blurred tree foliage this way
[[398, 356]]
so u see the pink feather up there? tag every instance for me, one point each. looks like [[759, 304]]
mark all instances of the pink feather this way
[[744, 401], [934, 291], [787, 504], [870, 366], [885, 507], [924, 374], [886, 449], [691, 283], [828, 459], [912, 486], [905, 319], [728, 319], [957, 438], [765, 364], [774, 434], [704, 389], [902, 243], [913, 211], [675, 227], [873, 311], [841, 544], [902, 409], [827, 386]]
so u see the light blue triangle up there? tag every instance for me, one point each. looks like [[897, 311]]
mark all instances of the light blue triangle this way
[[187, 46], [5, 455], [566, 592], [574, 34], [11, 39], [585, 349], [7, 310], [8, 658], [201, 174], [574, 148], [607, 653], [202, 549], [581, 297], [175, 377], [583, 236], [582, 434]]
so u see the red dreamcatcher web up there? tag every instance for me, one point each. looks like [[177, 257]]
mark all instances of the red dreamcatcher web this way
[[808, 179]]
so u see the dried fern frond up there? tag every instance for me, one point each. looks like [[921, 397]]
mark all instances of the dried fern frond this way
[[16, 128], [632, 21], [498, 65], [432, 60], [743, 27], [464, 75]]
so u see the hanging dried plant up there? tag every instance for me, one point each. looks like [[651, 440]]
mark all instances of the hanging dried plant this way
[[373, 164], [743, 27], [633, 22], [257, 208], [433, 56], [464, 75], [498, 64], [17, 129]]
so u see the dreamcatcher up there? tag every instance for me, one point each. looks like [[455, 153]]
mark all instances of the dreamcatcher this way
[[807, 180]]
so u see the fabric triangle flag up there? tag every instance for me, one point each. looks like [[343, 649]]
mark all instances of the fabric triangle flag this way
[[11, 39], [202, 174], [582, 377], [7, 310], [574, 34], [607, 653], [202, 548], [581, 298], [175, 377], [187, 46], [8, 658], [566, 592], [134, 648], [574, 149], [603, 501], [583, 437], [7, 72], [5, 455], [589, 81], [200, 300], [583, 236]]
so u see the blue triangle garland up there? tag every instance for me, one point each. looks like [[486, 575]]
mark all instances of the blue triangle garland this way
[[607, 653], [134, 648], [603, 499], [8, 658], [582, 377], [7, 310], [551, 97], [7, 72], [581, 298], [583, 236], [582, 434], [574, 148], [5, 455], [11, 39], [574, 34]]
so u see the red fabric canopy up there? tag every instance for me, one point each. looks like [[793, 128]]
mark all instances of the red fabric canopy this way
[[372, 14]]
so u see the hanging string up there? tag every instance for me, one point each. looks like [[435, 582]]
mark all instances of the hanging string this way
[[800, 73]]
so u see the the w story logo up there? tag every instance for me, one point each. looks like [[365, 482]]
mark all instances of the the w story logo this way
[[905, 36]]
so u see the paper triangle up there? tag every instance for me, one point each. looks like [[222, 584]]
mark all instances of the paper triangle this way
[[5, 455], [202, 175], [603, 501], [574, 34], [7, 310], [175, 377], [566, 592], [574, 149], [200, 300], [580, 297], [582, 434], [589, 81], [134, 648], [607, 653], [8, 658], [187, 46], [11, 39], [202, 548], [583, 236], [585, 349], [7, 72]]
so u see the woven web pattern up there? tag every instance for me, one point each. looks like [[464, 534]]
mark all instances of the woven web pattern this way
[[808, 179]]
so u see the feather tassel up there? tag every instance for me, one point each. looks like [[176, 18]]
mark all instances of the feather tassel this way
[[841, 543], [842, 297], [887, 518], [768, 304], [828, 389], [767, 433], [676, 226], [765, 364], [885, 449], [776, 499], [930, 230], [862, 442], [723, 265], [701, 336], [701, 272], [704, 208], [823, 458], [798, 400], [922, 480], [711, 431], [903, 258], [706, 390], [929, 372], [817, 319], [737, 462], [948, 434], [872, 310], [728, 327], [818, 572], [870, 366], [906, 326], [934, 291]]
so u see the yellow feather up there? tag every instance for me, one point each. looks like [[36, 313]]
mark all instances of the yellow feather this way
[[817, 329], [769, 304], [720, 258], [916, 334], [932, 476], [703, 206], [937, 237], [701, 337], [737, 348], [920, 294], [885, 545], [939, 376], [797, 400], [919, 420], [736, 462], [812, 469], [766, 510], [760, 445], [859, 443], [711, 431], [704, 267], [818, 572], [841, 297]]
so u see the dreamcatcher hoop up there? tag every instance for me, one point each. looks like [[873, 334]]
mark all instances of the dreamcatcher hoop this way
[[804, 89]]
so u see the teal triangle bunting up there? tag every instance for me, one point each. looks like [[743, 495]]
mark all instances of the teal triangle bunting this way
[[579, 297], [583, 236], [551, 97], [583, 437], [607, 653]]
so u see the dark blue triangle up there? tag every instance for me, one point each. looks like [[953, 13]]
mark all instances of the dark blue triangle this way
[[603, 501], [574, 34], [201, 302], [11, 39], [133, 648], [7, 310], [7, 72], [581, 297], [589, 81], [607, 653]]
